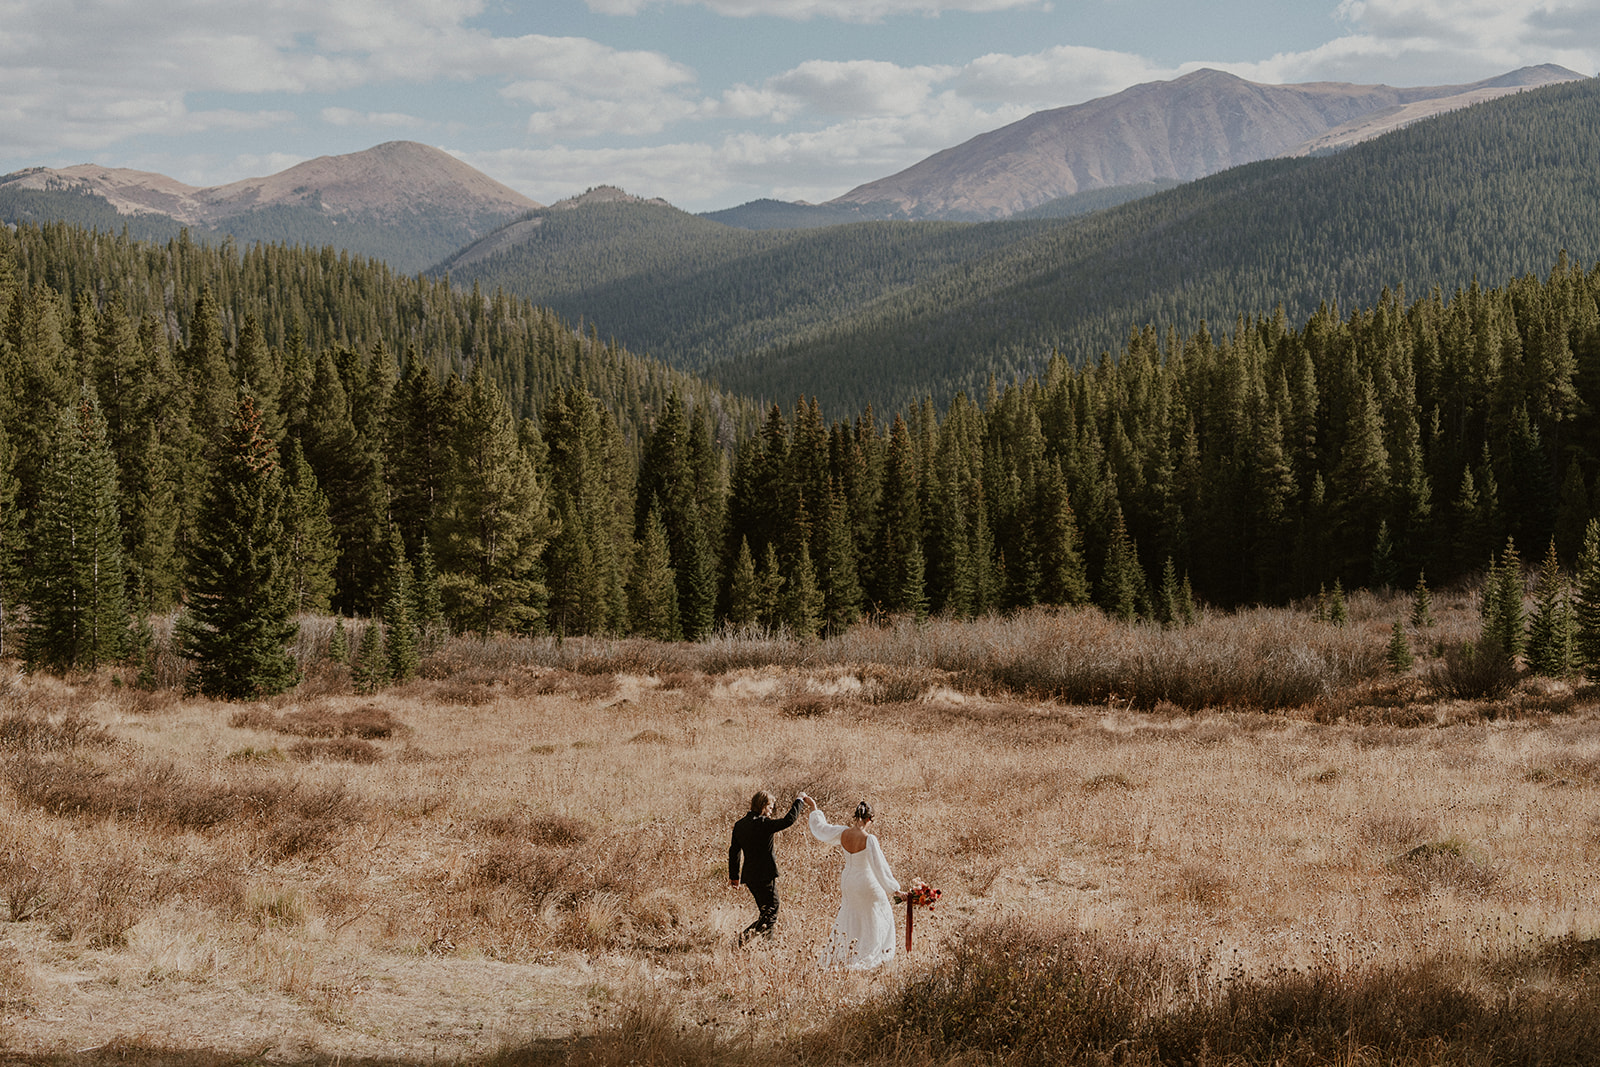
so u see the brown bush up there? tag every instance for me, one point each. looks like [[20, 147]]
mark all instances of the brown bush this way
[[338, 750], [369, 722], [1445, 864], [32, 732]]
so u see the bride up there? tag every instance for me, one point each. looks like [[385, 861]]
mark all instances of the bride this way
[[863, 934]]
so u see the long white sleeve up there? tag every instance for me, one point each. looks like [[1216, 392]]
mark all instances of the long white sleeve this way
[[880, 866], [822, 829]]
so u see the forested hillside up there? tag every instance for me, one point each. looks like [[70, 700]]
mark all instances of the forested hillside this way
[[1257, 464], [888, 312]]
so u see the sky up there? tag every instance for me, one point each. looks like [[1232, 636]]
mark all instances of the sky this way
[[707, 103]]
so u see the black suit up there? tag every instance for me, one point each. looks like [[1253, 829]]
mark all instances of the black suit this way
[[752, 840]]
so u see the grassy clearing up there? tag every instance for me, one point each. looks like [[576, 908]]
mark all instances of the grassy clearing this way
[[1242, 843]]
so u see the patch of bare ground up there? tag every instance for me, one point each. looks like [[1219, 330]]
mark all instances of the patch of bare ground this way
[[533, 867]]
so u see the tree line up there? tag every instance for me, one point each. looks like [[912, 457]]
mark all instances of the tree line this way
[[1258, 464]]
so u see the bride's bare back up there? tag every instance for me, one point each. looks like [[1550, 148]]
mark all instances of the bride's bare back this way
[[853, 840]]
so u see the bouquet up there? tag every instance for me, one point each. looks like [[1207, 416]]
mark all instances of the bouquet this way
[[920, 895]]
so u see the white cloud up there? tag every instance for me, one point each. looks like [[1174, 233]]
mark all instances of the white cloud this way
[[843, 10], [96, 72], [343, 116], [1422, 42]]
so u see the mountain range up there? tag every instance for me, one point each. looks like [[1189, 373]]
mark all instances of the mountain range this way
[[406, 203], [888, 312], [1482, 181]]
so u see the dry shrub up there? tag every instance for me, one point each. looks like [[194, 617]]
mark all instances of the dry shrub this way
[[553, 831], [1472, 670], [35, 733], [1266, 658], [1030, 993], [898, 683], [577, 686], [534, 872], [110, 897], [1203, 884], [1447, 864], [286, 819], [370, 723], [1391, 830], [980, 838], [338, 750], [15, 985], [809, 706], [34, 876], [307, 822], [1565, 769], [649, 737], [1111, 780]]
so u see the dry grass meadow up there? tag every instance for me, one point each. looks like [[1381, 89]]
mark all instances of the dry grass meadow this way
[[1244, 842]]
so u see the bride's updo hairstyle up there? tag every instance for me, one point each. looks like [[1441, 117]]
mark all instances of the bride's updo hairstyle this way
[[864, 811]]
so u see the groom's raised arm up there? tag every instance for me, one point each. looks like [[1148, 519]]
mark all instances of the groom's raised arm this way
[[788, 820]]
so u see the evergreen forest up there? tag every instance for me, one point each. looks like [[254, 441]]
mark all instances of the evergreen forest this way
[[450, 460], [883, 313]]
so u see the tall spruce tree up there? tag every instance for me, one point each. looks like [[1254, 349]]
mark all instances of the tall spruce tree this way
[[494, 523], [239, 618], [1549, 648], [77, 596], [1586, 605], [400, 637], [1502, 604], [311, 549], [11, 585], [744, 590], [652, 587]]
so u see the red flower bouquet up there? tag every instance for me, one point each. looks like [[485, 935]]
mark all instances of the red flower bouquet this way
[[920, 895]]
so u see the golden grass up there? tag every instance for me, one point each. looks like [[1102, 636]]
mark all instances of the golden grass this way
[[535, 852]]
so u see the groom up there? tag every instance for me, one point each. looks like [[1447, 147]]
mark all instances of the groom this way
[[752, 839]]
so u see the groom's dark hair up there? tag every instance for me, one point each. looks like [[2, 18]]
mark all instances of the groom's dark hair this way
[[760, 802]]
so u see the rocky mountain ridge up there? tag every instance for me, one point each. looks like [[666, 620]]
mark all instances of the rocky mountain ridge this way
[[1193, 126]]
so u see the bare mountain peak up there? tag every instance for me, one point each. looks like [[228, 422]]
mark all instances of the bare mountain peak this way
[[1198, 124], [390, 178]]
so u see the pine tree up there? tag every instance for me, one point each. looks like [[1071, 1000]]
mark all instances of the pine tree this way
[[1122, 586], [1502, 604], [1399, 655], [77, 597], [841, 587], [1586, 606], [370, 671], [1188, 608], [1338, 611], [744, 593], [427, 607], [769, 588], [399, 624], [1549, 648], [803, 601], [1384, 569], [338, 642], [652, 587], [311, 550], [1421, 604], [1166, 607], [494, 523], [11, 584], [240, 613]]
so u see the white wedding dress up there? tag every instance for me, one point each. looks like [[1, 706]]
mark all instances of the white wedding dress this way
[[863, 934]]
